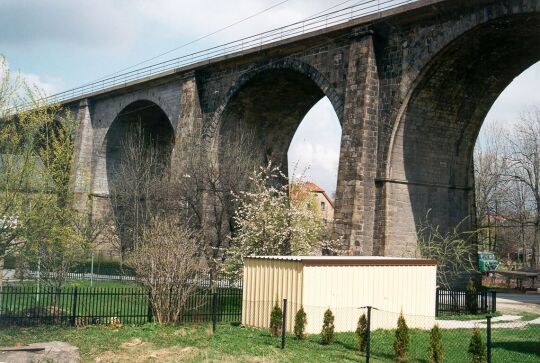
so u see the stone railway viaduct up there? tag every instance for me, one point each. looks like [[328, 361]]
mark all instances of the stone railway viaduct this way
[[411, 87]]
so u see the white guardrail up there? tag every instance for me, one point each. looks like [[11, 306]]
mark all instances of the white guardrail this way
[[327, 20]]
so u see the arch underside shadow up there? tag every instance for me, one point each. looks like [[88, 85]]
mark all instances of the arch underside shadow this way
[[270, 106], [431, 158], [141, 120], [138, 147]]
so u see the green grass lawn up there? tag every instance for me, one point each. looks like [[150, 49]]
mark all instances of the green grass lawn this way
[[195, 343]]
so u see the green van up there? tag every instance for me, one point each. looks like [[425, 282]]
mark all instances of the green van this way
[[487, 261]]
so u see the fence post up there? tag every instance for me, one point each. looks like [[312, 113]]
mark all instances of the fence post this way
[[74, 308], [368, 348], [488, 338], [437, 302], [214, 312], [493, 301], [149, 314], [284, 324]]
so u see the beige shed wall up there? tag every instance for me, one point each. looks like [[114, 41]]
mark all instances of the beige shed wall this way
[[264, 280], [391, 289]]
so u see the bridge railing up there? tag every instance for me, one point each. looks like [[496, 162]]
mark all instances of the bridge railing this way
[[363, 8]]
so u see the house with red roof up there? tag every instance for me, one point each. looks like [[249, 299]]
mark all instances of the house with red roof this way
[[324, 203]]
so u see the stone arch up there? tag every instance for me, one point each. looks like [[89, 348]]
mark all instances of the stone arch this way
[[271, 100], [142, 119], [110, 108], [430, 159]]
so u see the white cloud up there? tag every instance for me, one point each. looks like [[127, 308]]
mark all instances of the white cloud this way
[[48, 85], [126, 24], [45, 84], [96, 23]]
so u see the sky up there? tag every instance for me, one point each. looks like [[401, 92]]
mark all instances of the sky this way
[[61, 44]]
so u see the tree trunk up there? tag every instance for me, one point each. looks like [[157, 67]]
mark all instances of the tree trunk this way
[[534, 255], [536, 242], [523, 244], [2, 257]]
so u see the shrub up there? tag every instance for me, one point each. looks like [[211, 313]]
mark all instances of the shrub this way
[[471, 299], [362, 334], [435, 350], [477, 347], [300, 321], [327, 332], [167, 263], [401, 343], [276, 319], [10, 262]]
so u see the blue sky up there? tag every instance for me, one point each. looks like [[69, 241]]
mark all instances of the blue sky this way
[[60, 44]]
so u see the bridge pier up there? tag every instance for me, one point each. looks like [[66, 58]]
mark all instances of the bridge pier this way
[[190, 115], [82, 160], [356, 195]]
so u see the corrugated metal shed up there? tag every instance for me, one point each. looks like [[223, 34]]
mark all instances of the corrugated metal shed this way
[[341, 283]]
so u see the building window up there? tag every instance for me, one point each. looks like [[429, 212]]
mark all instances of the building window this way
[[323, 206]]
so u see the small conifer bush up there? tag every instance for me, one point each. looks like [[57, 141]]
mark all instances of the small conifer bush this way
[[477, 348], [435, 350], [401, 342], [327, 332], [276, 320], [300, 321], [361, 334], [471, 299]]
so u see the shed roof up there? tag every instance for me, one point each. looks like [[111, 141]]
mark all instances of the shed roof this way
[[350, 260]]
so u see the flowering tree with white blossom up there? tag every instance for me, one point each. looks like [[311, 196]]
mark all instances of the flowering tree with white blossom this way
[[276, 218]]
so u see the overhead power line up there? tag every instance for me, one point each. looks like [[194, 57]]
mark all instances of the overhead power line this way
[[328, 9], [325, 20], [220, 30], [386, 4], [196, 40]]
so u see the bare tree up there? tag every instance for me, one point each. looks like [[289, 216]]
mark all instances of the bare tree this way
[[489, 168], [208, 174], [137, 189], [518, 208], [523, 161], [198, 186], [167, 261]]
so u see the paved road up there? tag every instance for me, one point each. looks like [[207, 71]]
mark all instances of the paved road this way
[[507, 298]]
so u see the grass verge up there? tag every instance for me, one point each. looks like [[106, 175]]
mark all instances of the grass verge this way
[[195, 343]]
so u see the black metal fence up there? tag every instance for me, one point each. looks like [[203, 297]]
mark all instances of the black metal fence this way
[[28, 306], [456, 302]]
